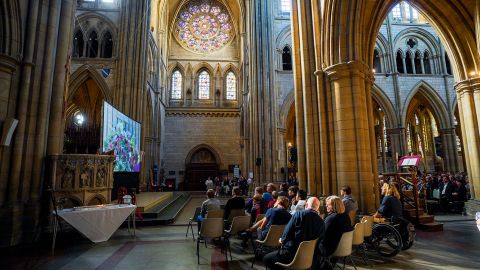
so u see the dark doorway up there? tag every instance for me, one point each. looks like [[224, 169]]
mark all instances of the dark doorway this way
[[203, 164]]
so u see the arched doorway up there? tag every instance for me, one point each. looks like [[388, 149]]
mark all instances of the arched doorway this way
[[291, 141], [201, 163], [83, 119], [423, 136]]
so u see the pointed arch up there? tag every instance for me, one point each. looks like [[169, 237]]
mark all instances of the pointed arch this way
[[284, 110], [435, 101], [81, 75], [378, 94], [203, 146]]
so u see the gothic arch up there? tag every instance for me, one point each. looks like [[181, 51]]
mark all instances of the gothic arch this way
[[421, 34], [384, 102], [81, 19], [435, 101], [203, 65], [284, 38], [203, 146], [81, 75], [232, 68], [175, 66], [285, 109]]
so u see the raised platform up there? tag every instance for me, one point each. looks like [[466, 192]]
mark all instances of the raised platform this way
[[147, 201]]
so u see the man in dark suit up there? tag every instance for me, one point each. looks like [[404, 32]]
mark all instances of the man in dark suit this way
[[446, 188], [304, 226]]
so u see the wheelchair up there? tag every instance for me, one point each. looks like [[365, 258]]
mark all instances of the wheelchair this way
[[390, 236]]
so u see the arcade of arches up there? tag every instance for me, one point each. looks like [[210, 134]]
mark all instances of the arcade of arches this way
[[276, 87]]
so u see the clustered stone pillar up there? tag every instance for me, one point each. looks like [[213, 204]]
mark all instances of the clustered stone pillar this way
[[353, 130], [468, 95]]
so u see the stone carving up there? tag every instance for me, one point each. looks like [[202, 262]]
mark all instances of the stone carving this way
[[92, 178]]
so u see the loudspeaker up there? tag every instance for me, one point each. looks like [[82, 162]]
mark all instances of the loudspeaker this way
[[258, 161], [7, 132]]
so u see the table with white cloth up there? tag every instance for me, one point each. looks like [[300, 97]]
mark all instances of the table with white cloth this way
[[98, 222]]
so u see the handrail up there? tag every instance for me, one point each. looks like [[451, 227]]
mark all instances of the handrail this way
[[413, 200]]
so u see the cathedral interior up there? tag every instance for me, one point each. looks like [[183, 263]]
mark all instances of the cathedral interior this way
[[329, 92]]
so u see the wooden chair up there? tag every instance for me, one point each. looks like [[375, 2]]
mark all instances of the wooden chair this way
[[212, 228], [359, 240], [215, 214], [270, 241], [239, 224], [303, 257], [193, 220], [344, 249]]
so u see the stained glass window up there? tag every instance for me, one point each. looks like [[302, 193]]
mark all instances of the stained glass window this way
[[231, 86], [204, 85], [203, 26], [396, 12], [285, 6], [176, 91]]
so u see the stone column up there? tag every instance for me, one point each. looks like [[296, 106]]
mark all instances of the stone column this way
[[353, 130], [450, 153], [468, 95]]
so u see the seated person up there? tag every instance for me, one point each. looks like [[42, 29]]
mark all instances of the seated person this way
[[391, 205], [301, 201], [249, 203], [272, 202], [210, 204], [267, 196], [459, 196], [278, 215], [303, 226], [259, 207], [336, 223], [292, 195], [236, 202], [283, 190], [347, 199]]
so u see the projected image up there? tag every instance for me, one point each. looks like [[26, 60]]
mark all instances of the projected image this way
[[122, 135]]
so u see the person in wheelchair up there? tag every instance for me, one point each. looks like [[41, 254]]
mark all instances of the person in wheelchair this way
[[391, 205], [391, 209]]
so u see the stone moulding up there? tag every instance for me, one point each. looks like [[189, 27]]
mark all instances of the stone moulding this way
[[176, 113]]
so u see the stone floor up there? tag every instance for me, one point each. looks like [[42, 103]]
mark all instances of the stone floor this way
[[166, 247]]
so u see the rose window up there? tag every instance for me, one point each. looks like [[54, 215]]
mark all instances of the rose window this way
[[203, 26]]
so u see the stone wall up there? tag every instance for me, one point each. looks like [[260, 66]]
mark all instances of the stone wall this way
[[183, 132]]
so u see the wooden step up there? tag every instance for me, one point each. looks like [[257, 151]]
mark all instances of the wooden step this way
[[412, 212], [426, 219], [408, 193], [430, 227]]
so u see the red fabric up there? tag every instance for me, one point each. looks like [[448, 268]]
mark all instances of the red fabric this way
[[271, 203]]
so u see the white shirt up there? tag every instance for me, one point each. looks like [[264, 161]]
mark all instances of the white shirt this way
[[298, 207]]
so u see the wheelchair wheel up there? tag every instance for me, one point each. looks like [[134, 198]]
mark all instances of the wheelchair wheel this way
[[409, 237], [386, 240]]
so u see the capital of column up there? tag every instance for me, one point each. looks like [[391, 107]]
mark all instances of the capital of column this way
[[397, 130], [467, 86], [348, 70], [447, 131], [8, 63]]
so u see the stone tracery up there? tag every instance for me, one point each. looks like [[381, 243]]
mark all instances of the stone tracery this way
[[203, 26]]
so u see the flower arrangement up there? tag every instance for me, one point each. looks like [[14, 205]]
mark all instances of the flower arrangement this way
[[124, 146]]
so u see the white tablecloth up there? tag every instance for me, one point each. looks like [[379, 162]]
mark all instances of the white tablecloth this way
[[97, 223]]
